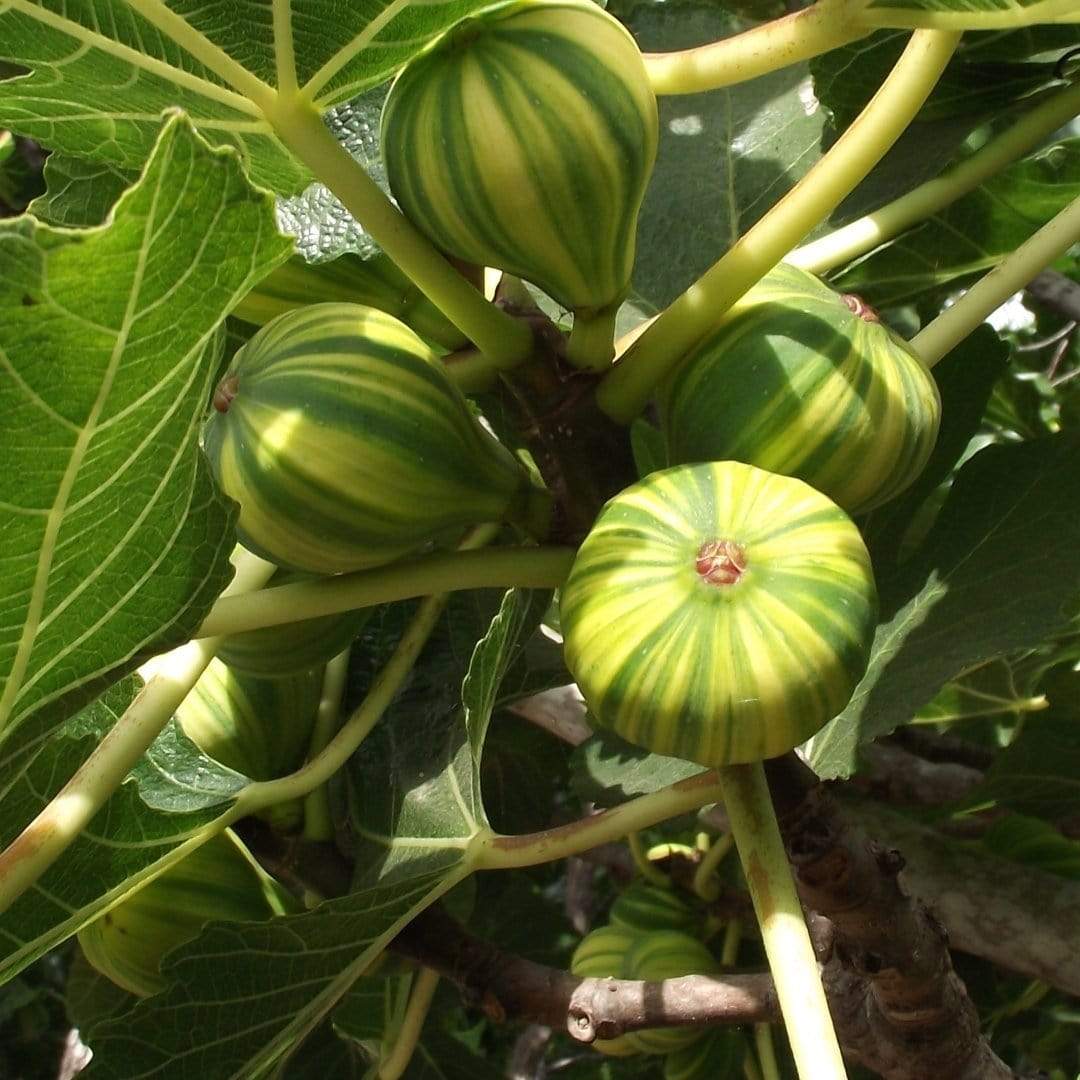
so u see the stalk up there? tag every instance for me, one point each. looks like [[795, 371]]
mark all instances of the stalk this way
[[769, 47], [766, 1052], [510, 567], [169, 679], [705, 885], [318, 823], [866, 233], [938, 338], [499, 336], [422, 993], [496, 852], [641, 860], [591, 346], [624, 392], [783, 930]]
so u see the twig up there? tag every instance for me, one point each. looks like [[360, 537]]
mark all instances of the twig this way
[[508, 986], [1056, 291]]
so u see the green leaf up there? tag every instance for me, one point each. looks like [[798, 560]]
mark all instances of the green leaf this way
[[1034, 843], [989, 690], [369, 1010], [973, 234], [1039, 773], [997, 573], [973, 87], [259, 987], [79, 193], [607, 770], [115, 541], [221, 65], [965, 379], [415, 809], [124, 842], [725, 157]]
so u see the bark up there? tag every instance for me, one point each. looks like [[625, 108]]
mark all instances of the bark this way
[[1019, 918], [507, 986], [1058, 292], [900, 1008]]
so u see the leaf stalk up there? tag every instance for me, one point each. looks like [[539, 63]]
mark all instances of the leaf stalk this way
[[626, 389]]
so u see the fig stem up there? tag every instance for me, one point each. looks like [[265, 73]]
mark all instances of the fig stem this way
[[705, 884], [499, 336], [318, 822], [498, 852], [768, 47], [168, 680], [939, 337], [626, 389], [766, 1052], [591, 346], [506, 567], [866, 233], [367, 714], [641, 861], [783, 929], [421, 995]]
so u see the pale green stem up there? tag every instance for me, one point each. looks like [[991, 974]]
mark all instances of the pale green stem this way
[[495, 852], [591, 345], [729, 950], [527, 568], [505, 340], [1010, 17], [626, 389], [705, 884], [641, 860], [284, 48], [766, 1052], [318, 823], [397, 1061], [319, 769], [773, 45], [937, 339], [866, 233], [168, 680], [783, 930], [750, 1069]]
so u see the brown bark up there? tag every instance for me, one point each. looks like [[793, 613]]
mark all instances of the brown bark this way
[[900, 1008], [1021, 919], [508, 986]]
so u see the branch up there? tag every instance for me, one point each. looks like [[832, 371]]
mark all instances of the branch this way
[[1018, 917], [903, 1010], [508, 986], [1058, 292]]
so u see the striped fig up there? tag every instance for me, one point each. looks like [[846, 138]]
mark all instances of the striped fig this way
[[799, 380], [347, 446], [719, 613]]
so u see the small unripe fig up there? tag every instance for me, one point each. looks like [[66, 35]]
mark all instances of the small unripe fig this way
[[218, 880], [621, 953], [347, 446], [524, 139], [259, 727], [644, 906], [800, 380], [374, 281], [718, 613]]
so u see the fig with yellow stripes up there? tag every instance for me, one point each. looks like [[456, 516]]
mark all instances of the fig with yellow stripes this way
[[343, 439], [524, 139], [719, 613], [800, 380], [217, 881]]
